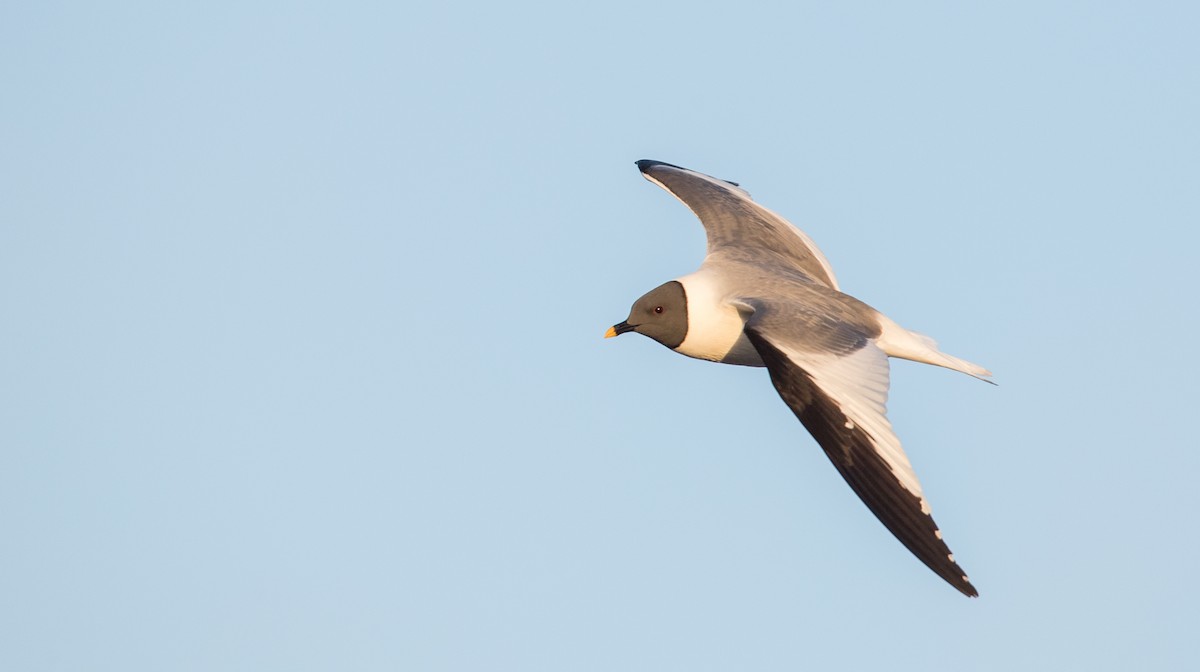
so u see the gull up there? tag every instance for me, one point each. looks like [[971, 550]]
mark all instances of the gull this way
[[766, 296]]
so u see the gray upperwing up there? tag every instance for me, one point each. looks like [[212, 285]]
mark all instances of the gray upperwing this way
[[738, 228]]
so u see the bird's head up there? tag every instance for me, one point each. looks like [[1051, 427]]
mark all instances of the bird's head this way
[[660, 314]]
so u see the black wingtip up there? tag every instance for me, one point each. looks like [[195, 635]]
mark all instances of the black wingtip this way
[[854, 454], [645, 165], [963, 586]]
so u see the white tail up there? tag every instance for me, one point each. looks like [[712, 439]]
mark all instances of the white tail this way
[[897, 341]]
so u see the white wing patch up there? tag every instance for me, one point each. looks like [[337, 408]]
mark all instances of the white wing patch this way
[[858, 384]]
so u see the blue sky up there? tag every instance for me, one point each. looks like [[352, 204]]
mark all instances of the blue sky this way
[[301, 345]]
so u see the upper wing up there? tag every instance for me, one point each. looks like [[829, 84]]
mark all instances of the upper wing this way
[[841, 399], [739, 228]]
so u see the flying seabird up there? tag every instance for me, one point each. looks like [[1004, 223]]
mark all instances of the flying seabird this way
[[766, 296]]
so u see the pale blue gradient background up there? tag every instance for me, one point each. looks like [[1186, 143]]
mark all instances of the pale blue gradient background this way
[[300, 335]]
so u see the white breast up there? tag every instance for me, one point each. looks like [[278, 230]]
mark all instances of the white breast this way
[[714, 325]]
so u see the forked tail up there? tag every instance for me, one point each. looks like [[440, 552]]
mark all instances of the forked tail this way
[[897, 341]]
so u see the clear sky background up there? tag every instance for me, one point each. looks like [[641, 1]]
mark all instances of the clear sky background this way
[[301, 309]]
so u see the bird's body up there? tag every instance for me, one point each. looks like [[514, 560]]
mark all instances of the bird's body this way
[[766, 296], [716, 328]]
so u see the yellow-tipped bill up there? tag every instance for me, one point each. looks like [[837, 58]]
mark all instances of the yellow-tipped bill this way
[[618, 329]]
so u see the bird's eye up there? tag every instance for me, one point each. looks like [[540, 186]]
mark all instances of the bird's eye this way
[[658, 310]]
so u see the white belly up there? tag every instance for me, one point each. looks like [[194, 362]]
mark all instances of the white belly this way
[[715, 327]]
